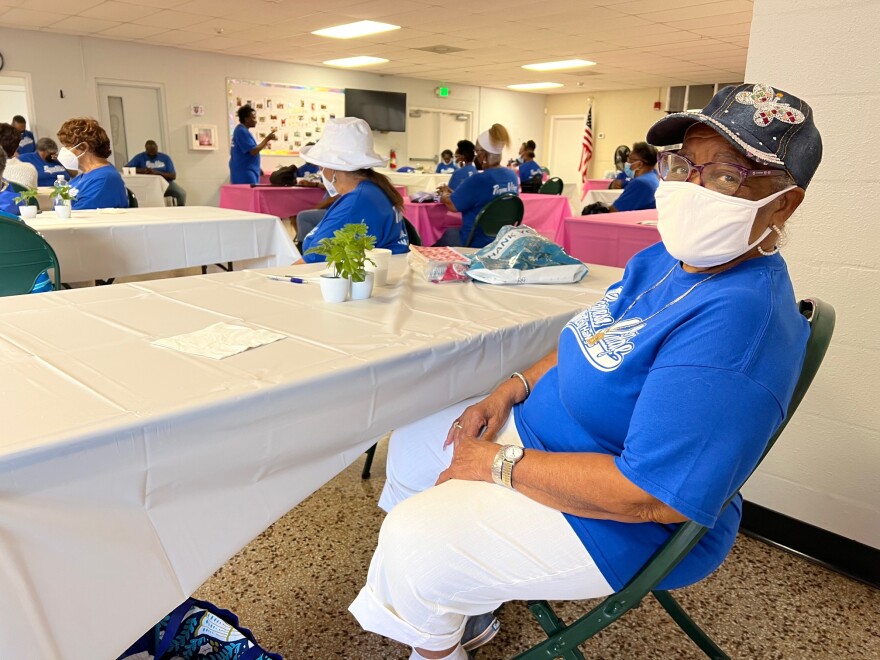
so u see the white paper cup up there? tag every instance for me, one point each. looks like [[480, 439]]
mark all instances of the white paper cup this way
[[382, 257]]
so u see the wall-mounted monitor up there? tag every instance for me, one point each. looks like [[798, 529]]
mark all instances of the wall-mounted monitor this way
[[383, 111]]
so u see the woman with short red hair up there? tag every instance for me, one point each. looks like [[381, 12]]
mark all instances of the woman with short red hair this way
[[85, 149]]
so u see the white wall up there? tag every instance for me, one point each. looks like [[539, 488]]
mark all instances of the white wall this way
[[825, 468], [72, 64]]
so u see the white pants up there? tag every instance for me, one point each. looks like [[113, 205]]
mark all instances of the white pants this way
[[462, 548]]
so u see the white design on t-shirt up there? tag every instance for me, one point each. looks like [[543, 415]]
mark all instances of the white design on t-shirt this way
[[503, 190], [608, 353], [155, 164]]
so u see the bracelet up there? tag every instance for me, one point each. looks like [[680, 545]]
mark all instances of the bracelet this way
[[525, 383]]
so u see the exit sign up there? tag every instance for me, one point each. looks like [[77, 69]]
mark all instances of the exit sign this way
[[442, 92]]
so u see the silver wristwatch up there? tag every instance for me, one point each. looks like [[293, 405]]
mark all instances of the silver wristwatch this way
[[502, 466]]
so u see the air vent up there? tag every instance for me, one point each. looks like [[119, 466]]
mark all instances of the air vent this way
[[582, 74], [441, 49]]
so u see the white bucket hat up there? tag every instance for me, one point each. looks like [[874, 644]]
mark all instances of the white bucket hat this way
[[347, 145]]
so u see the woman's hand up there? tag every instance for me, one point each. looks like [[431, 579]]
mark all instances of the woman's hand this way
[[481, 420], [471, 460]]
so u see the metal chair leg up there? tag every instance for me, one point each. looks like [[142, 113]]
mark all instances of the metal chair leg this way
[[697, 634], [368, 463]]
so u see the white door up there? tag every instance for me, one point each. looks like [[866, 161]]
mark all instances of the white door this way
[[453, 127], [131, 115], [431, 131], [566, 135]]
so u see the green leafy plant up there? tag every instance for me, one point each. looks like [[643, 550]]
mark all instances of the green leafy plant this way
[[25, 196], [346, 251], [63, 192]]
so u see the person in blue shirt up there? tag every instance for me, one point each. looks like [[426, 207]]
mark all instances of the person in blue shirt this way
[[530, 172], [307, 168], [464, 159], [446, 164], [85, 146], [655, 407], [45, 160], [475, 192], [152, 161], [639, 192], [27, 145], [244, 155], [346, 157]]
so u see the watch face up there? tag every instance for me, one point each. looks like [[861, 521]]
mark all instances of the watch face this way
[[513, 453]]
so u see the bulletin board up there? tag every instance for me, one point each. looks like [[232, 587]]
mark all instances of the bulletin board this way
[[298, 113]]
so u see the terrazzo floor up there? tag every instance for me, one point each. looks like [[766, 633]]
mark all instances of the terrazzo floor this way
[[292, 585]]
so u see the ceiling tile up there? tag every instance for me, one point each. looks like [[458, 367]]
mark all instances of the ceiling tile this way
[[172, 20], [739, 29], [80, 25], [712, 21], [72, 7], [162, 4], [119, 11], [29, 18], [221, 26], [130, 31], [174, 37], [699, 11]]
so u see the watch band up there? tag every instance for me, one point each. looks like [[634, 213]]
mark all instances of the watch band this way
[[497, 466]]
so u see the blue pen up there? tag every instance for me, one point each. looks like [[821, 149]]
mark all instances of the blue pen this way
[[295, 280]]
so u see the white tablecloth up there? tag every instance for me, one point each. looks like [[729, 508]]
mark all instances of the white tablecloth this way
[[94, 245], [607, 197], [148, 188], [414, 181], [129, 472]]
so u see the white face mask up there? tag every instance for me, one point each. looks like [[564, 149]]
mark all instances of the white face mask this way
[[69, 159], [328, 185], [704, 228]]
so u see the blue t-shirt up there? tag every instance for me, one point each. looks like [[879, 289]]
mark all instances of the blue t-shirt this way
[[623, 178], [42, 283], [7, 200], [685, 399], [639, 193], [308, 168], [461, 174], [477, 191], [47, 172], [528, 170], [444, 168], [243, 166], [102, 188], [27, 144], [366, 203], [161, 162]]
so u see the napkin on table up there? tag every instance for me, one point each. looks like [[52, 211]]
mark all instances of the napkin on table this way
[[219, 340]]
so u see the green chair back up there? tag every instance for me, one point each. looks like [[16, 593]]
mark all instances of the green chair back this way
[[132, 199], [563, 640], [17, 187], [24, 254], [412, 233], [552, 186], [506, 209]]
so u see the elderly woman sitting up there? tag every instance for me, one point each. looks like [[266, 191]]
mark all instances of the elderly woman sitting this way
[[346, 157], [86, 148], [655, 406], [45, 159]]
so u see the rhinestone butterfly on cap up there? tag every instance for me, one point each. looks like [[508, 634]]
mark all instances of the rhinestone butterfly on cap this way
[[768, 107]]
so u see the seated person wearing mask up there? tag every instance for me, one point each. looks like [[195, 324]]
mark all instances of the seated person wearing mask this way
[[657, 403], [86, 147], [477, 191], [153, 161], [446, 164], [18, 172], [639, 192], [244, 155], [27, 143], [346, 157], [464, 158], [307, 168], [530, 171], [45, 160]]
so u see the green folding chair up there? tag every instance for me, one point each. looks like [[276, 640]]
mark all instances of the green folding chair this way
[[552, 186], [563, 640], [412, 233], [24, 255], [506, 209]]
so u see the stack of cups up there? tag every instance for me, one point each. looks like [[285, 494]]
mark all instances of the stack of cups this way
[[381, 256]]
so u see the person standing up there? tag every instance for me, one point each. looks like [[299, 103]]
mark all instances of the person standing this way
[[27, 144], [17, 172], [45, 160], [244, 158], [153, 161]]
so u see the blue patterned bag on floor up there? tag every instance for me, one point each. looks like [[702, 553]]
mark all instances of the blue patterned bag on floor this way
[[198, 630]]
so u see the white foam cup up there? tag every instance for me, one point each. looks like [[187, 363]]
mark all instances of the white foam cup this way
[[381, 256]]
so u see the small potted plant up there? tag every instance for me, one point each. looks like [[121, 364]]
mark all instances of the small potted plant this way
[[63, 195], [27, 208], [346, 254]]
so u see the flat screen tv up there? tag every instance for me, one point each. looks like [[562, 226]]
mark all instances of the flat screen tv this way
[[383, 111]]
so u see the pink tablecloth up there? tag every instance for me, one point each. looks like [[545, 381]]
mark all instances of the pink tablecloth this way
[[609, 239], [544, 213], [280, 201], [595, 184]]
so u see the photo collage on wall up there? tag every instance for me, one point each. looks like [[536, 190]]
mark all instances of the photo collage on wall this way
[[297, 114]]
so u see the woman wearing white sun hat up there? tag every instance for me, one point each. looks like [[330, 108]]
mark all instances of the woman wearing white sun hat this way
[[346, 157]]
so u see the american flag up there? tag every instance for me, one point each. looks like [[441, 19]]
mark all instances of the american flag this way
[[587, 145]]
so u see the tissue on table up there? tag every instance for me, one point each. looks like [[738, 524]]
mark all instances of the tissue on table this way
[[219, 340]]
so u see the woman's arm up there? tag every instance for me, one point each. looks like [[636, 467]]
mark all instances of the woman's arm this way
[[446, 197]]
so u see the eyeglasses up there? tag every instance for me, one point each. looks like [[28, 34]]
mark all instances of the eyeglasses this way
[[724, 178]]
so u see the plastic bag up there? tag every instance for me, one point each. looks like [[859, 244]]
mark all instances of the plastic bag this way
[[520, 255]]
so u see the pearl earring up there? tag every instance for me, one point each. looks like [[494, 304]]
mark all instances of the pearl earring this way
[[775, 247]]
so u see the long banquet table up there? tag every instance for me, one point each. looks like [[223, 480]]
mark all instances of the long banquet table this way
[[283, 201], [130, 473], [110, 243]]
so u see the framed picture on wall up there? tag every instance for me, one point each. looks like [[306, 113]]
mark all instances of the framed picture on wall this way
[[202, 137]]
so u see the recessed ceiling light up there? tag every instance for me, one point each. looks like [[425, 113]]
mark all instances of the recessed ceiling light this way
[[352, 30], [360, 60], [553, 66], [525, 87]]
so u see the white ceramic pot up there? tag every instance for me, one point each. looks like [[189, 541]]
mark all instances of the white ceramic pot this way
[[363, 290], [334, 289], [28, 212], [62, 212]]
